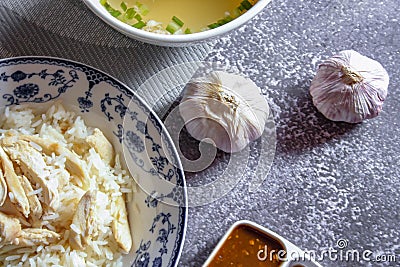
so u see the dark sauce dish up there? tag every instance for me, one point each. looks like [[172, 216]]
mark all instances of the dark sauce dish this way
[[247, 244]]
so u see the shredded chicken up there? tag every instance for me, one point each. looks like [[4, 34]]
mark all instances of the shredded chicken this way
[[35, 236], [73, 163], [34, 203], [11, 209], [3, 188], [102, 146], [14, 185], [12, 234], [84, 220], [33, 166], [9, 229], [120, 226]]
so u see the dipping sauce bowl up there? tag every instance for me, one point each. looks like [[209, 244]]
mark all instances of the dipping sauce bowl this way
[[247, 244]]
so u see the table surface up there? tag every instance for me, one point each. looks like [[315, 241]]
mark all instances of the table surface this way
[[328, 181]]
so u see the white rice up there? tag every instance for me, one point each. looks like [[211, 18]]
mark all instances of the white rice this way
[[25, 257], [39, 248], [35, 192], [35, 146], [67, 129], [11, 196], [50, 217], [13, 257], [57, 248], [51, 227], [75, 229], [125, 190]]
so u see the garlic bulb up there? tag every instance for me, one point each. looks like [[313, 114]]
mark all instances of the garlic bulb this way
[[349, 87], [226, 108]]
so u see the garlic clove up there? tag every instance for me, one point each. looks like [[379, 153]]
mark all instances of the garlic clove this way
[[349, 87], [226, 108]]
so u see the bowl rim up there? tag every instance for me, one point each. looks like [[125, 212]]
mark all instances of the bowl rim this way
[[164, 39], [150, 111]]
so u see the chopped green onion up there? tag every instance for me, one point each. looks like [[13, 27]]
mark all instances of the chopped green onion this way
[[139, 25], [103, 2], [123, 6], [188, 31], [108, 7], [213, 25], [177, 21], [236, 12], [221, 22], [115, 13], [112, 11], [242, 8], [228, 19], [143, 9], [138, 17], [173, 27], [246, 4], [130, 13]]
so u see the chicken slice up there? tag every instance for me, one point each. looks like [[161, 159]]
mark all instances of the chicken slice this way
[[102, 146], [35, 236], [11, 209], [120, 226], [80, 147], [13, 183], [73, 163], [84, 221], [12, 234], [33, 166], [34, 203], [9, 229], [3, 188]]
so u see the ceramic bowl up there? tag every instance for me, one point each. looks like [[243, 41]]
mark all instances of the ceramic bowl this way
[[288, 254], [158, 212], [173, 40]]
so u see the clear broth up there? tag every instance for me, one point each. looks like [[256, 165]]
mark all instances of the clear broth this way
[[196, 14]]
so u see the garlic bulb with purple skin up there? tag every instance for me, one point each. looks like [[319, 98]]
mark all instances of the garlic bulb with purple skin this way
[[349, 87]]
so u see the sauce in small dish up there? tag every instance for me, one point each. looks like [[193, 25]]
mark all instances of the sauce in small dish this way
[[247, 244]]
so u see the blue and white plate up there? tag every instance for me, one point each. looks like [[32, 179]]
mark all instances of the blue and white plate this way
[[159, 210]]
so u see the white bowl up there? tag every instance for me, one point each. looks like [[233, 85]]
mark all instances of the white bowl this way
[[173, 40], [158, 213]]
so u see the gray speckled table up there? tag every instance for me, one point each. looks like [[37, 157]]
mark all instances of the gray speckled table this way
[[328, 181]]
